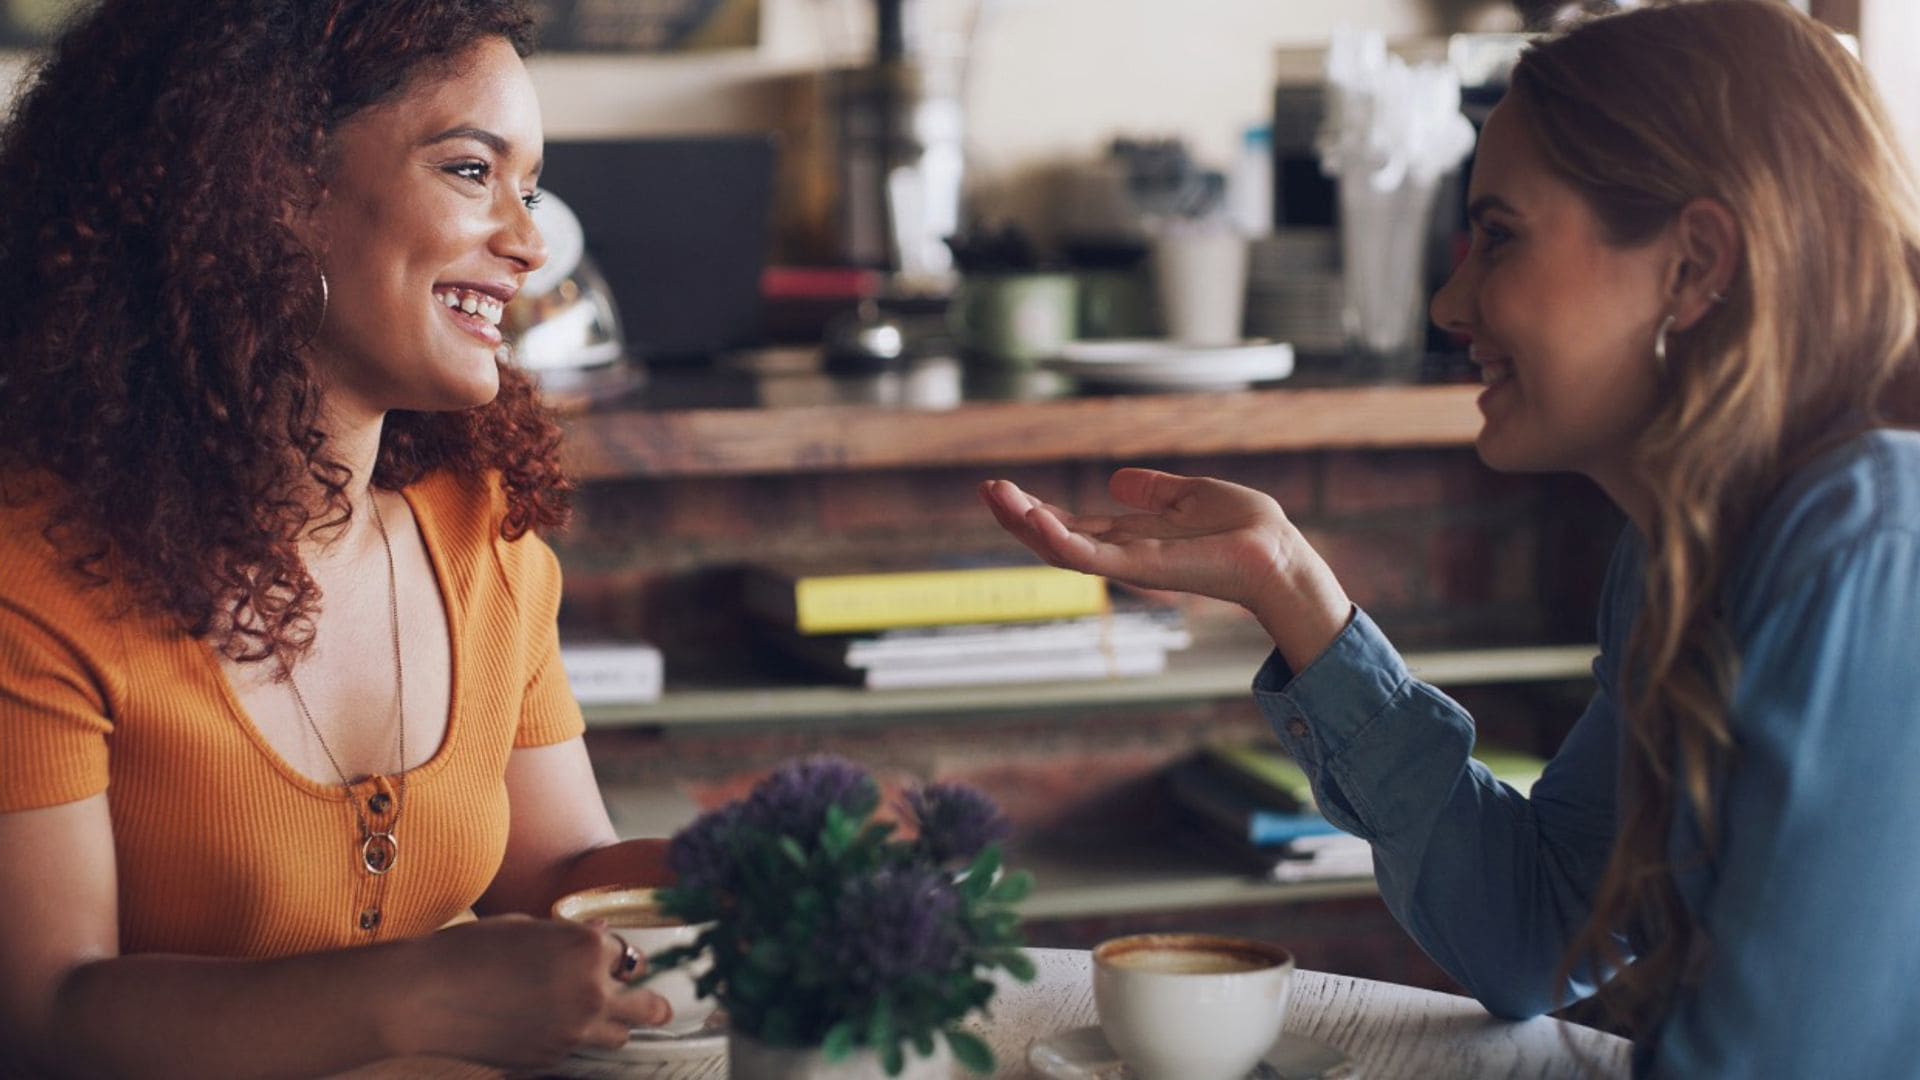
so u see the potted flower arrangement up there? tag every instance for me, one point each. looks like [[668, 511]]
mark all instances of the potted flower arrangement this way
[[841, 941]]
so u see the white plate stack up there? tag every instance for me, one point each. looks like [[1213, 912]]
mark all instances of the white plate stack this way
[[1293, 289]]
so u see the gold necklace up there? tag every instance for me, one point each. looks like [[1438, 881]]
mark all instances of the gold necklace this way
[[378, 848]]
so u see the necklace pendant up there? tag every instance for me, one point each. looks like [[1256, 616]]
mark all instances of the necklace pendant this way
[[378, 852]]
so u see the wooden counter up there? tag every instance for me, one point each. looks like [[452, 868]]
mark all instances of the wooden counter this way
[[740, 441]]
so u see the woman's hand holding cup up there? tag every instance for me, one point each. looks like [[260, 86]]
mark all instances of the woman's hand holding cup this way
[[1196, 535], [515, 991]]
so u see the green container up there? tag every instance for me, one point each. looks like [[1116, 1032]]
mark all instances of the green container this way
[[1013, 321]]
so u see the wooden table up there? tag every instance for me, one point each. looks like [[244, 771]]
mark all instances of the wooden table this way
[[1387, 1030]]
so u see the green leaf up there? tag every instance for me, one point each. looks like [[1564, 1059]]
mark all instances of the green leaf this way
[[970, 1050], [793, 851], [923, 1043], [880, 1025], [838, 1045], [1011, 888], [891, 1058], [1019, 965], [977, 882]]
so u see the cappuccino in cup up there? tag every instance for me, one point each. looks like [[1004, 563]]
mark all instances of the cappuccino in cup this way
[[1190, 1006], [634, 913]]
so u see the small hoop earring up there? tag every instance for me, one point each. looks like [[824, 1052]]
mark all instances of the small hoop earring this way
[[325, 298], [1660, 344]]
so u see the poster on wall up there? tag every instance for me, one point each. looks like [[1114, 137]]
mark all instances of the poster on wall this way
[[647, 25]]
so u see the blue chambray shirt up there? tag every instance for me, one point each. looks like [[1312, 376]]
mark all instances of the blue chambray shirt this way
[[1811, 903]]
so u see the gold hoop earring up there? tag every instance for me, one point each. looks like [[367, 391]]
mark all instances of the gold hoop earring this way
[[1660, 344]]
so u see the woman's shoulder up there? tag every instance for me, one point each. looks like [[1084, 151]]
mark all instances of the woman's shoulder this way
[[39, 555], [465, 512], [1864, 489]]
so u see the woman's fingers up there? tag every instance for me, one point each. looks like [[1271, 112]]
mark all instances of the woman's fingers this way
[[608, 1033], [640, 1007], [1147, 489]]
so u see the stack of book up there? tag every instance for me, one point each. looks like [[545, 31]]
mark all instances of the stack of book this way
[[612, 672], [1251, 804], [960, 626], [1253, 807]]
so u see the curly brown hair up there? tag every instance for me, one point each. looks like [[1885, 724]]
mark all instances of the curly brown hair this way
[[153, 359]]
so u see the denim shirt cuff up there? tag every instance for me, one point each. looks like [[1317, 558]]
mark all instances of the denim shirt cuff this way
[[1319, 712]]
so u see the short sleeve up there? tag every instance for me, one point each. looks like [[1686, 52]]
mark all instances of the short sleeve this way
[[53, 714], [548, 713]]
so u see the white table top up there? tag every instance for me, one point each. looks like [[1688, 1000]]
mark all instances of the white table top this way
[[1387, 1030]]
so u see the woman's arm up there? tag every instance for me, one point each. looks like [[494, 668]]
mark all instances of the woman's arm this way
[[513, 992], [1490, 882], [560, 839]]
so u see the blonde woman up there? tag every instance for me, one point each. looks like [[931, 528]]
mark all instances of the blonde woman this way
[[1694, 278]]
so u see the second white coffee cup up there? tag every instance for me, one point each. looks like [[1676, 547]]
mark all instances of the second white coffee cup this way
[[1191, 1006]]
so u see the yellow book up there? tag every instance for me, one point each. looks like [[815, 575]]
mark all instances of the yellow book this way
[[853, 603]]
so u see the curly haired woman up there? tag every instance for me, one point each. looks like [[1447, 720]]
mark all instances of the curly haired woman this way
[[1694, 278], [279, 679]]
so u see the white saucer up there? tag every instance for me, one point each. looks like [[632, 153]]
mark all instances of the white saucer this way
[[1083, 1054], [1158, 364], [651, 1045]]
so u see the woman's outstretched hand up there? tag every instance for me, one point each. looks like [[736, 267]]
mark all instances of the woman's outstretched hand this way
[[1196, 535], [1191, 534]]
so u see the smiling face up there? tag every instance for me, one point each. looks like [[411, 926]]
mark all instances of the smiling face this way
[[427, 236], [1562, 320]]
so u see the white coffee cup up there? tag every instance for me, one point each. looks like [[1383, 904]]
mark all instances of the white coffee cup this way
[[633, 912], [1190, 1006], [1200, 278]]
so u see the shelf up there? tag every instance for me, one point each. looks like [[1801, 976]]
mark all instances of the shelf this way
[[1073, 877], [1152, 873], [733, 442], [1192, 675]]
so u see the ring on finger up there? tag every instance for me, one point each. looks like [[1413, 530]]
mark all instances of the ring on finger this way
[[629, 963]]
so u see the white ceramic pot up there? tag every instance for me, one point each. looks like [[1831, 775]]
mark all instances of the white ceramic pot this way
[[750, 1059]]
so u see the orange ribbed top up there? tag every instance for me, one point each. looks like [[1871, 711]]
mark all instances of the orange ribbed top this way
[[223, 848]]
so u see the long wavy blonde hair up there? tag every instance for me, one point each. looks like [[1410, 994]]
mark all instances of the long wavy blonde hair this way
[[1755, 106]]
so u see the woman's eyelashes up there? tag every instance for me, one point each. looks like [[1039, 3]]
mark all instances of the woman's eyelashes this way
[[479, 172], [475, 171], [1493, 237]]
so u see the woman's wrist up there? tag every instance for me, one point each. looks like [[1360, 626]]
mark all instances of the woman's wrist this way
[[401, 1022], [1301, 605]]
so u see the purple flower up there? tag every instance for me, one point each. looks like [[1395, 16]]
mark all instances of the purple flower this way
[[793, 799], [956, 821], [899, 921], [703, 854]]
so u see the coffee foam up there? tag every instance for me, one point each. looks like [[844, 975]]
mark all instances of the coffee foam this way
[[1188, 961], [1190, 954]]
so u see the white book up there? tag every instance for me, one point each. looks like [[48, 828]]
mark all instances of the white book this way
[[1072, 666], [1317, 858], [613, 673], [1124, 631]]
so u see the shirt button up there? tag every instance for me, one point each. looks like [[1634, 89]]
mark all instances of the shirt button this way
[[1297, 728], [370, 919], [379, 803]]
